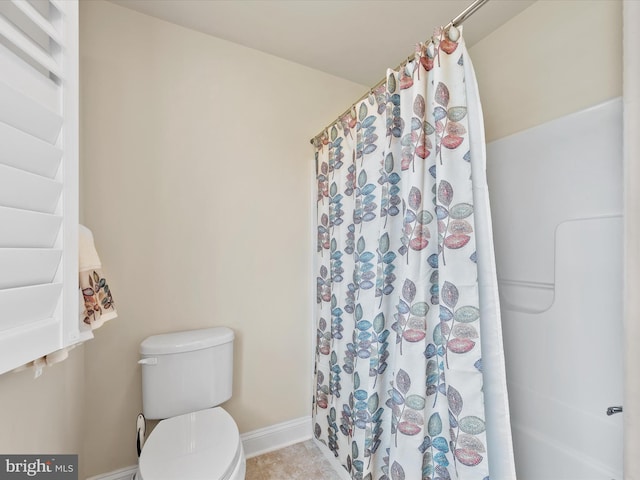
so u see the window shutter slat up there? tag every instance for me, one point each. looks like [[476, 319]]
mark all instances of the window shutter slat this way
[[27, 191], [20, 76], [19, 306], [21, 267], [21, 41], [22, 228], [42, 23], [28, 153], [28, 115]]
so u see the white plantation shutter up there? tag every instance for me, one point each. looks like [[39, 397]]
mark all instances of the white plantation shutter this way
[[38, 179]]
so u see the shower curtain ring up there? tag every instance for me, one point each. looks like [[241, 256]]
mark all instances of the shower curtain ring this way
[[453, 33]]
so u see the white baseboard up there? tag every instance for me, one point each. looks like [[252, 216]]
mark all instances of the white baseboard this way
[[276, 436], [256, 442]]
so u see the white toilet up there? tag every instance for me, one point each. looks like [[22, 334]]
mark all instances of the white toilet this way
[[185, 376]]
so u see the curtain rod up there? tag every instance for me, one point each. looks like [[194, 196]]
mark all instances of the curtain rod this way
[[462, 16]]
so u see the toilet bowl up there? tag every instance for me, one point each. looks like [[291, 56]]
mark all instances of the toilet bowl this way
[[203, 445], [185, 377]]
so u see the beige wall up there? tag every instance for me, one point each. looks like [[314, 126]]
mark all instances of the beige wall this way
[[166, 116], [197, 170], [44, 415], [555, 58]]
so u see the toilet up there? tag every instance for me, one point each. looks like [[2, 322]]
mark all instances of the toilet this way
[[185, 377]]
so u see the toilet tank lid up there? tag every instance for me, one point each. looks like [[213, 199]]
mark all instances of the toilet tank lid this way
[[186, 341]]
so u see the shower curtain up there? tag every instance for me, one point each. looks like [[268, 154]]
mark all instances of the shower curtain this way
[[409, 372]]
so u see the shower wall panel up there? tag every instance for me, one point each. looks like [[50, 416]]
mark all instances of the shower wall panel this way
[[556, 199]]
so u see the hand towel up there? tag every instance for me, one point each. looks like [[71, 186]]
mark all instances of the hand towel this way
[[98, 302]]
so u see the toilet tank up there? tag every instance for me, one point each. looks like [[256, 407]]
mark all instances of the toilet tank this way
[[187, 371]]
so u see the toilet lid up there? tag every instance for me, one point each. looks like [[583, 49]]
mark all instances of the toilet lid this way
[[201, 445]]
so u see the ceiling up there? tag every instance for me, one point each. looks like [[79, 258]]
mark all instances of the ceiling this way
[[353, 39]]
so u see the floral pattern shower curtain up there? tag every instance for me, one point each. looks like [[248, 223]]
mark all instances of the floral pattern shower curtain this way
[[399, 382]]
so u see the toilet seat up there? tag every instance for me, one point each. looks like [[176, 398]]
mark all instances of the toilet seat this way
[[203, 445]]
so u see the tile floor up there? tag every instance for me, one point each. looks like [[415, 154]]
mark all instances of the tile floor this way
[[302, 461]]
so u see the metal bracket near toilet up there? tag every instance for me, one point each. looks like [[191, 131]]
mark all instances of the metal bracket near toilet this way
[[141, 426]]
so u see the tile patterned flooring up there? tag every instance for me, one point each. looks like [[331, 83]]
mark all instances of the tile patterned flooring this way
[[302, 461]]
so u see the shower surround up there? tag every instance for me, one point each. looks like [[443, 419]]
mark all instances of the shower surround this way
[[557, 215]]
